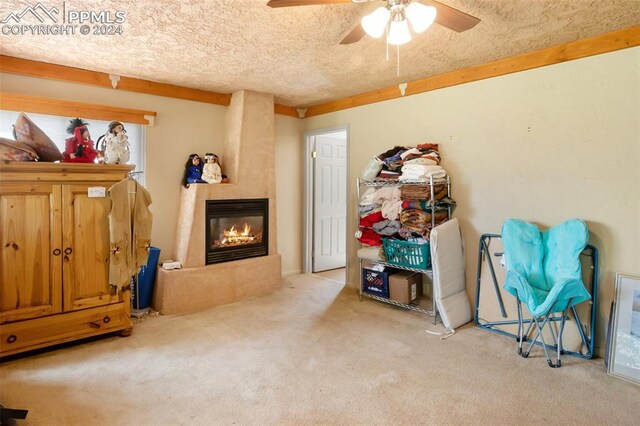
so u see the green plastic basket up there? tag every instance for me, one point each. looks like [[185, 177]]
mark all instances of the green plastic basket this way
[[407, 254]]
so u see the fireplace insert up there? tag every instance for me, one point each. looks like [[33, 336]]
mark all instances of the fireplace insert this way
[[236, 229]]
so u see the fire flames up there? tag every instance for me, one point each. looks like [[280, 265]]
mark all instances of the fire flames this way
[[234, 236]]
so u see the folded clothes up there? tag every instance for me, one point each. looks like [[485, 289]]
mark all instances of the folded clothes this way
[[370, 237], [421, 168], [386, 193], [367, 197], [419, 220], [394, 165], [427, 161], [407, 233], [370, 219], [410, 152], [387, 227], [370, 252], [421, 172], [447, 202], [425, 151], [423, 192], [394, 158], [390, 153], [391, 209], [428, 146], [416, 204], [368, 209], [388, 174], [444, 203]]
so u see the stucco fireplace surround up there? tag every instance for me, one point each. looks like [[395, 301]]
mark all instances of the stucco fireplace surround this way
[[249, 162]]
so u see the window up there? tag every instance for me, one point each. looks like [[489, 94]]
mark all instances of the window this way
[[56, 128]]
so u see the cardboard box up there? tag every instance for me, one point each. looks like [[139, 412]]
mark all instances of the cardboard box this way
[[405, 286]]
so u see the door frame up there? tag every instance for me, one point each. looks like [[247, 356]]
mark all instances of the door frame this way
[[307, 231]]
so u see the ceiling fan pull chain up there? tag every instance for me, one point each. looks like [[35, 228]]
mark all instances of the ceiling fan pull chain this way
[[398, 62]]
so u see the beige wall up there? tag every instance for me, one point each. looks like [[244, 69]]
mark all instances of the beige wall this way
[[289, 184], [544, 145], [181, 128]]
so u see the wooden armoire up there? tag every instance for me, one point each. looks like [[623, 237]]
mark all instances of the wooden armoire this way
[[54, 255]]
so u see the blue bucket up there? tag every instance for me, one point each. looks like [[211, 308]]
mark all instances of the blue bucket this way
[[143, 290]]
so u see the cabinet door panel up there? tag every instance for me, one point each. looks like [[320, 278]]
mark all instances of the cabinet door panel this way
[[86, 248], [30, 235]]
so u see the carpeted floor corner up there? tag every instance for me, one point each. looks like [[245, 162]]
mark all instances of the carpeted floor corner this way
[[310, 353]]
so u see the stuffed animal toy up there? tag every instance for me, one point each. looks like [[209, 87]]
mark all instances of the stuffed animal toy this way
[[211, 172], [193, 171], [79, 148], [114, 145]]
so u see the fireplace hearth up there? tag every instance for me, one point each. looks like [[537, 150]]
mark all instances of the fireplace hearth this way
[[236, 229]]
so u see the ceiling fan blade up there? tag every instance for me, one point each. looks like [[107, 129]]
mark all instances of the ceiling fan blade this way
[[355, 35], [290, 3], [453, 18]]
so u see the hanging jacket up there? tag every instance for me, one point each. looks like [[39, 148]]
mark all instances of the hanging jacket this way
[[130, 223]]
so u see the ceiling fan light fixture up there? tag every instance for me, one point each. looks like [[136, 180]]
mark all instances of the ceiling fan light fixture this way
[[420, 16], [399, 32], [375, 23]]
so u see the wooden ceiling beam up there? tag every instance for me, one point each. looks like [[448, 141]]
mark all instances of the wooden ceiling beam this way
[[604, 43]]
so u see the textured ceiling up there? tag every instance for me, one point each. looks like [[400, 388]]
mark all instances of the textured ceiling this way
[[227, 45]]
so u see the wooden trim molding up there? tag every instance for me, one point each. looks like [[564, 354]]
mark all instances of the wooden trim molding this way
[[31, 68], [23, 103], [286, 110], [605, 43], [10, 64]]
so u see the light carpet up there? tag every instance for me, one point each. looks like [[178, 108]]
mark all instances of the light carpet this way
[[338, 275], [310, 353]]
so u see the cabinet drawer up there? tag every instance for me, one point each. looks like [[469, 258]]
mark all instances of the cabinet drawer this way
[[32, 334]]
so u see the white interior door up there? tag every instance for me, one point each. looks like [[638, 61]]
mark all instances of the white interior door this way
[[330, 201]]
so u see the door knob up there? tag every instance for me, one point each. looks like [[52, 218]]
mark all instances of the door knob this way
[[57, 252], [12, 338], [68, 250]]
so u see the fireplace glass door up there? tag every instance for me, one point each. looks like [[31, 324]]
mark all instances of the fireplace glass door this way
[[236, 229]]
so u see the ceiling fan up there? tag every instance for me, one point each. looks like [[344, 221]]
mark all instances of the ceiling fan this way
[[393, 18]]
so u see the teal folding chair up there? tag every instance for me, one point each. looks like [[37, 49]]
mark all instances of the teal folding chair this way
[[544, 273]]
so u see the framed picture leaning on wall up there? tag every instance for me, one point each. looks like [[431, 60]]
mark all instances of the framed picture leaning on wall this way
[[624, 339]]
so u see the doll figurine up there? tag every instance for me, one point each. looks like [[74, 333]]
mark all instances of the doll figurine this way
[[193, 171], [211, 171], [114, 148], [79, 148]]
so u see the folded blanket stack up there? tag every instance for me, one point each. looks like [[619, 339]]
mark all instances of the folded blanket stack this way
[[423, 192], [419, 220], [421, 172], [394, 160]]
